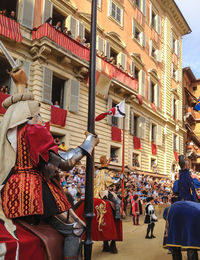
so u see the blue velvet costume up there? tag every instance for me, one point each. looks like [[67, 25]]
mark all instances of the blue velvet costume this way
[[182, 224]]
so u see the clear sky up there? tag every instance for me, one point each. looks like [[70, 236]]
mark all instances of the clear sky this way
[[191, 42]]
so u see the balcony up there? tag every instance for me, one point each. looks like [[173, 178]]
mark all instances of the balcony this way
[[191, 150], [10, 28], [190, 116], [69, 44]]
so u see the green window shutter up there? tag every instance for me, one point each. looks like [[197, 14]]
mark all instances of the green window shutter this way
[[159, 135], [74, 95], [144, 7], [81, 30], [150, 14], [133, 28], [47, 10], [28, 13], [149, 89], [100, 44], [127, 118], [107, 49], [47, 85], [132, 123]]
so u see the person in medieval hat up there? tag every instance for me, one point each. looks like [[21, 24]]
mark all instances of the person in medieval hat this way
[[150, 218], [29, 177], [136, 208]]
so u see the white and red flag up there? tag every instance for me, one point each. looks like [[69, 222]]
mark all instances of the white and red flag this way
[[117, 111]]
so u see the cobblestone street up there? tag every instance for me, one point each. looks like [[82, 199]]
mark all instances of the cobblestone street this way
[[135, 246]]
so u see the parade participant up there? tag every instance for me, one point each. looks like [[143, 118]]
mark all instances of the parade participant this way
[[106, 225], [184, 187], [136, 209], [150, 217], [185, 191], [101, 183], [30, 175]]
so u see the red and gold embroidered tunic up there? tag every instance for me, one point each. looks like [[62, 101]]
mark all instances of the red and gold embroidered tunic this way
[[22, 194]]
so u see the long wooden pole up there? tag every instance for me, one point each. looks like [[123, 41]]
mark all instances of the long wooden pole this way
[[89, 189], [123, 162]]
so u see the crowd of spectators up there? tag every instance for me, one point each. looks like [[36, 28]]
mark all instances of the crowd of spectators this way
[[12, 14], [4, 89], [112, 60]]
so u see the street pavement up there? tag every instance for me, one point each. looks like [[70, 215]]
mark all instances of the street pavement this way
[[135, 246]]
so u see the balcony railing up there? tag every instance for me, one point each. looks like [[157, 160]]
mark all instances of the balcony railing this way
[[111, 71], [10, 28]]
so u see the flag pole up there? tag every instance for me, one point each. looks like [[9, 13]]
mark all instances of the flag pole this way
[[123, 162], [89, 182]]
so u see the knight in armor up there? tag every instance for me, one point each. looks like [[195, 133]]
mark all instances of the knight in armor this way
[[150, 218], [30, 166]]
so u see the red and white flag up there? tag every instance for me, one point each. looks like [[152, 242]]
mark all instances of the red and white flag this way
[[117, 111]]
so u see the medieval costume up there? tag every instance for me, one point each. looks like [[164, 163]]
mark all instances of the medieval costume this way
[[106, 224], [182, 228], [136, 209], [150, 218], [30, 178]]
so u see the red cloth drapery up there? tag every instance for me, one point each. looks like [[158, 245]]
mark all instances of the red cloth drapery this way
[[46, 30], [112, 71], [30, 246], [154, 149], [116, 134], [176, 156], [136, 142], [139, 97], [153, 107], [2, 98], [10, 28], [58, 116]]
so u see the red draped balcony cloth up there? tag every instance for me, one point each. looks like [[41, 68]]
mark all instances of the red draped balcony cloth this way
[[136, 142], [154, 149], [10, 28], [58, 116], [46, 30], [112, 71], [116, 134], [176, 156], [2, 98]]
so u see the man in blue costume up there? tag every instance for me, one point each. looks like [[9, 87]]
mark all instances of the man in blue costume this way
[[178, 231]]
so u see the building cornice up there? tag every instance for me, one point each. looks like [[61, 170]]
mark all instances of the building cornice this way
[[175, 15]]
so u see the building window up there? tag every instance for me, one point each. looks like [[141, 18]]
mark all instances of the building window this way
[[153, 20], [5, 79], [9, 6], [136, 73], [116, 13], [152, 99], [137, 34], [58, 20], [115, 120], [175, 143], [135, 160], [153, 133], [58, 86], [154, 165], [135, 130], [194, 88], [137, 2], [114, 154]]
